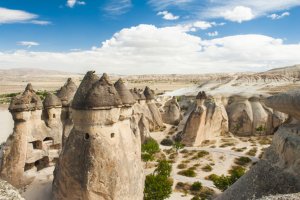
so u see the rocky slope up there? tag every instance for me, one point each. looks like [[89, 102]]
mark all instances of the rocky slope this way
[[278, 171]]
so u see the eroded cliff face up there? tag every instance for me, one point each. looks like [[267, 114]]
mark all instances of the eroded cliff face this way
[[101, 158], [207, 121], [278, 171], [249, 116], [35, 141]]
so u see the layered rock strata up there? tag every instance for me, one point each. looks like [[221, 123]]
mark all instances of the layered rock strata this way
[[101, 158]]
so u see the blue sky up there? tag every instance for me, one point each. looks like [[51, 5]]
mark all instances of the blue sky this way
[[214, 35]]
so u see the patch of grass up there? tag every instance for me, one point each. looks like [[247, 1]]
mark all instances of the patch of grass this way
[[202, 153], [207, 168], [167, 142], [242, 161], [188, 173], [227, 144], [252, 152], [196, 186], [181, 166], [265, 141]]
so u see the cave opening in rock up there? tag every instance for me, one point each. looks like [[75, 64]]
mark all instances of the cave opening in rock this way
[[42, 163], [87, 136], [37, 144]]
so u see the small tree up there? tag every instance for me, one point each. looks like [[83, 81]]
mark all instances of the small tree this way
[[178, 145], [163, 168], [150, 146], [157, 187]]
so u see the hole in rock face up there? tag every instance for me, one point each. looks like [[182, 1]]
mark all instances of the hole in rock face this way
[[53, 115], [87, 136], [112, 135]]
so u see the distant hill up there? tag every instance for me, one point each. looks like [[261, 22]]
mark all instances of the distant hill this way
[[290, 71], [31, 72]]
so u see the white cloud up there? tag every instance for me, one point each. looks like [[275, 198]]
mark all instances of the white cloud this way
[[9, 16], [238, 14], [213, 34], [40, 22], [118, 7], [12, 16], [167, 15], [148, 49], [28, 44], [275, 16], [72, 3]]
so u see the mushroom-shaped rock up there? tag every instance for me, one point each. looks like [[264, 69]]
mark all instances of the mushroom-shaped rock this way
[[287, 102], [149, 94], [86, 84], [103, 95], [52, 101], [67, 92], [26, 101], [124, 93]]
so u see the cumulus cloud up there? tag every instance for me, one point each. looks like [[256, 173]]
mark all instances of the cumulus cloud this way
[[28, 44], [148, 49], [213, 34], [9, 16], [238, 14], [167, 15], [275, 16]]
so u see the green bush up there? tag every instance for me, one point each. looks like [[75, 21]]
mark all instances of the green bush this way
[[147, 157], [196, 186], [163, 168], [242, 161], [157, 187], [150, 146], [188, 173], [223, 182]]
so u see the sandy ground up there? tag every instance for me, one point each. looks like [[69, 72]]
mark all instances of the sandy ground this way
[[220, 158]]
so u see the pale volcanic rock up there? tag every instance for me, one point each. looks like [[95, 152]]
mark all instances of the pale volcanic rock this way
[[171, 112], [8, 192], [249, 116], [207, 121], [66, 94], [101, 158], [286, 102], [35, 142], [278, 171]]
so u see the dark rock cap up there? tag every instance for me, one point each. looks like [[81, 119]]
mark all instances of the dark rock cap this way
[[201, 95], [52, 101], [86, 84], [124, 93], [27, 101], [95, 93], [67, 92], [149, 94]]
